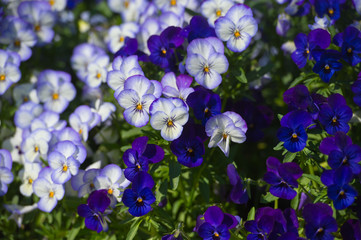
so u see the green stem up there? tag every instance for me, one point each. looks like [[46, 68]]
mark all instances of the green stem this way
[[276, 204]]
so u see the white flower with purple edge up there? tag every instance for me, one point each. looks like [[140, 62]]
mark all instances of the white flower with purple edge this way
[[118, 34], [83, 119], [48, 191], [213, 9], [206, 61], [18, 211], [48, 120], [6, 176], [104, 109], [29, 174], [9, 71], [36, 145], [136, 100], [177, 86], [97, 71], [169, 116], [25, 92], [26, 113], [63, 162], [225, 128], [13, 144], [237, 27], [83, 182]]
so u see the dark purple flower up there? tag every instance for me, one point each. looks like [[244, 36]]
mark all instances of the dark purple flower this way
[[260, 230], [316, 39], [319, 223], [350, 43], [140, 197], [351, 230], [162, 47], [135, 164], [341, 152], [293, 130], [356, 89], [129, 48], [198, 28], [217, 224], [283, 178], [238, 193], [327, 63], [205, 103], [335, 115], [174, 236], [329, 7], [189, 147], [93, 212], [342, 194]]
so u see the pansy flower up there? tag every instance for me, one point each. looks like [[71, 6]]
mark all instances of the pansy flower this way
[[293, 130], [335, 115], [239, 192], [237, 27], [350, 43], [177, 86], [351, 229], [140, 197], [94, 211], [341, 152], [356, 89], [9, 71], [6, 176], [213, 9], [83, 119], [327, 63], [117, 35], [282, 177], [198, 28], [329, 7], [29, 174]]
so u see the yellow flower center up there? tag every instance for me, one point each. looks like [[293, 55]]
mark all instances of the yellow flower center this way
[[30, 181], [218, 13], [225, 135], [37, 28], [190, 150], [139, 199], [164, 51], [294, 135], [327, 67], [17, 43], [173, 2], [237, 34], [349, 50], [55, 96], [334, 119], [2, 77], [330, 11], [126, 4], [121, 39], [36, 149], [320, 230], [344, 160], [138, 166], [98, 75], [51, 194], [216, 234], [51, 2], [307, 51], [139, 106], [170, 123], [206, 69], [80, 131], [342, 193], [65, 168], [110, 191], [26, 99]]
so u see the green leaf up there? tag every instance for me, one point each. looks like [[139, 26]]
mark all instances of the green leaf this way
[[174, 173], [133, 229], [321, 195], [295, 201], [279, 116], [251, 214], [242, 76], [279, 146], [313, 178], [204, 188], [289, 157], [268, 198]]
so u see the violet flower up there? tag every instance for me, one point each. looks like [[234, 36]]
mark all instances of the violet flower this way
[[238, 193], [350, 43]]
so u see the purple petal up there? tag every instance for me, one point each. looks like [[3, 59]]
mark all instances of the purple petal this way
[[214, 216]]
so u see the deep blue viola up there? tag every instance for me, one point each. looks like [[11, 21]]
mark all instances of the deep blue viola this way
[[328, 7], [350, 43], [198, 28], [327, 63]]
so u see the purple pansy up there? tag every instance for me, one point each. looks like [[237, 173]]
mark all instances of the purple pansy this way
[[6, 176], [282, 177], [293, 130], [198, 28], [239, 192], [9, 71], [327, 63], [335, 115], [356, 89], [350, 43], [94, 211], [177, 86], [351, 229], [328, 7]]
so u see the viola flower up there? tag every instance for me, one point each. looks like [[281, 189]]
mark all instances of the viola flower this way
[[283, 24], [305, 45], [169, 116], [356, 89], [26, 113], [339, 190], [238, 193], [350, 43], [351, 229], [94, 211], [136, 100], [260, 229], [48, 191], [83, 120], [213, 9], [17, 212], [6, 176], [134, 163], [282, 177], [162, 47], [20, 37], [13, 144], [205, 103], [341, 152], [217, 224], [176, 6], [29, 174], [335, 115], [140, 197], [206, 61], [198, 28], [97, 71], [9, 71], [327, 63], [189, 148], [225, 128], [36, 145], [48, 120], [117, 35], [112, 179], [42, 18], [25, 92], [83, 182], [55, 90], [319, 223], [104, 109], [63, 162], [123, 68], [237, 27], [322, 23], [329, 7], [177, 86], [293, 130]]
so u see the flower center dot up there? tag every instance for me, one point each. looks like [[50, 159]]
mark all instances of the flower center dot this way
[[320, 230], [237, 34], [206, 69], [51, 194], [126, 4], [334, 119], [37, 28], [17, 43], [139, 106], [344, 160], [294, 135], [164, 51], [139, 199], [30, 181], [121, 39], [349, 50], [216, 234], [342, 193], [110, 191], [170, 123], [218, 13], [80, 131], [138, 166], [2, 77], [51, 2], [36, 149], [331, 11], [65, 168], [225, 135], [26, 99], [327, 67], [173, 2], [98, 75], [190, 150], [55, 96]]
